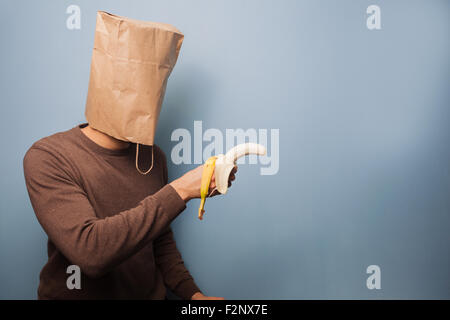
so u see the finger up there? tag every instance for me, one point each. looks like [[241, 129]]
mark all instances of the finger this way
[[234, 170], [212, 187], [232, 177]]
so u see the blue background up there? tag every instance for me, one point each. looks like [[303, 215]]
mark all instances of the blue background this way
[[364, 139]]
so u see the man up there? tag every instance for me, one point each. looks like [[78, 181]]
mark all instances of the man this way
[[100, 211]]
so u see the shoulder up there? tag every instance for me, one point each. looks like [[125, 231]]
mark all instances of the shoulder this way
[[159, 154], [57, 141], [161, 159], [48, 153]]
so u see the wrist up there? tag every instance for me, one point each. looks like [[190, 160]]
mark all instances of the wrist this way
[[182, 192]]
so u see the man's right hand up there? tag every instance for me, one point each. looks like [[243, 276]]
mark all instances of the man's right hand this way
[[188, 185]]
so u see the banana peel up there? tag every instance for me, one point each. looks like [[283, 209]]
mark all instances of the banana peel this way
[[208, 170]]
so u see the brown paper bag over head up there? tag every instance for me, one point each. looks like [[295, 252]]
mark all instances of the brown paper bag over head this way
[[131, 63]]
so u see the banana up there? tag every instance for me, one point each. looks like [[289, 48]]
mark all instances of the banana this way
[[208, 170], [221, 166], [225, 163]]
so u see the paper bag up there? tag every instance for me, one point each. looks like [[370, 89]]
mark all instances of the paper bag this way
[[131, 63]]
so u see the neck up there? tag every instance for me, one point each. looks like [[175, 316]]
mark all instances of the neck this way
[[104, 140]]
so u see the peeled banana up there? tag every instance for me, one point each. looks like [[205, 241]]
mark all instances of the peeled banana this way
[[222, 165]]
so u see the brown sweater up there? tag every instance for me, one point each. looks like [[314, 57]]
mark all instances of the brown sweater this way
[[101, 214]]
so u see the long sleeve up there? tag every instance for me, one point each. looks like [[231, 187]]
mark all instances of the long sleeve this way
[[169, 260], [95, 244]]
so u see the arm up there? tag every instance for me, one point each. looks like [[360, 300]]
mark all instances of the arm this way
[[176, 277], [169, 261], [175, 274], [95, 245]]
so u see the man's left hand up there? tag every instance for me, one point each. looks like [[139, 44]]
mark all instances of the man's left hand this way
[[201, 296]]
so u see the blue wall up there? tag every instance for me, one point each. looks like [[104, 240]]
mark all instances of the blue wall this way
[[364, 139]]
